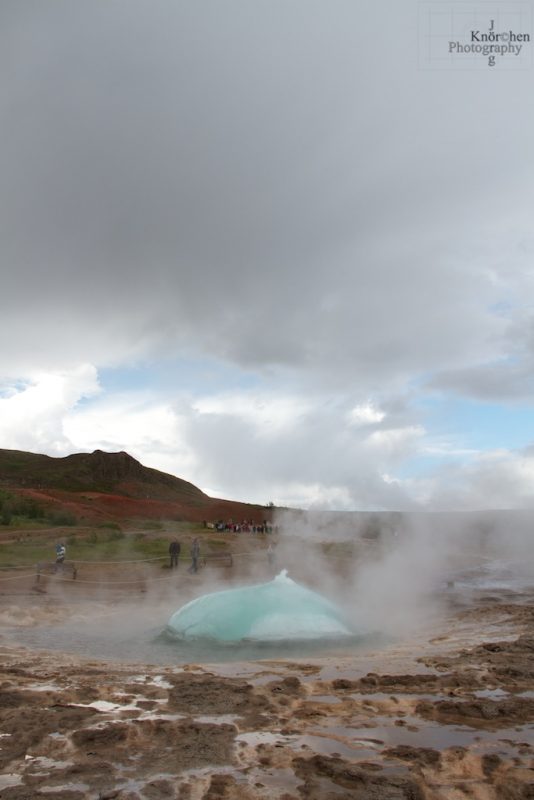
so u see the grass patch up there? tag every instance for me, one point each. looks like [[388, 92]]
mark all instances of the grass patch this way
[[217, 544], [16, 511], [105, 544], [152, 525], [96, 546]]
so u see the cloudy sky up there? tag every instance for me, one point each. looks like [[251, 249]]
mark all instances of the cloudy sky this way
[[267, 247]]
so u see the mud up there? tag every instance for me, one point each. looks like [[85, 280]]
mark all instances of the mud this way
[[447, 715]]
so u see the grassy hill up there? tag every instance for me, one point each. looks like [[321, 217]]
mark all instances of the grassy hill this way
[[97, 472], [99, 485]]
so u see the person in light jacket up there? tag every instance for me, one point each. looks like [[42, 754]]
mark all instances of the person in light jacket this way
[[195, 555]]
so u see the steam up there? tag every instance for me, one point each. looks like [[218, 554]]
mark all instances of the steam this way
[[397, 573]]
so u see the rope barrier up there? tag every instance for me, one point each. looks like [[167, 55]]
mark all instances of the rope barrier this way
[[17, 577], [39, 575], [117, 561], [109, 583], [208, 558], [166, 558]]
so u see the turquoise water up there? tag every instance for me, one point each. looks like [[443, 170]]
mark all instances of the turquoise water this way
[[280, 610]]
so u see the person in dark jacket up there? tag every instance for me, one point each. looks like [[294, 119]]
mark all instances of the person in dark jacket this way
[[174, 552]]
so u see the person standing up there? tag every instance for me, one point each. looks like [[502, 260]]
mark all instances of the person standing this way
[[195, 555], [61, 552], [174, 552]]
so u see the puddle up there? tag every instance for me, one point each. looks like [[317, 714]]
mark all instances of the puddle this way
[[420, 733], [159, 680], [10, 779], [253, 739], [154, 680], [44, 763], [262, 679], [325, 744], [135, 786], [494, 694], [44, 687], [283, 779], [395, 697], [207, 772], [73, 787], [218, 719], [105, 707], [153, 715], [324, 698]]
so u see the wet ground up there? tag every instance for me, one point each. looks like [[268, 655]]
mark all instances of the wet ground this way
[[447, 713]]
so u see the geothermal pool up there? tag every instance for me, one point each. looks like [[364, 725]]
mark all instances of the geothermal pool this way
[[150, 645], [135, 629], [277, 619]]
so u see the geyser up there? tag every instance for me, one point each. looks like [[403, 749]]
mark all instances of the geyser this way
[[280, 610]]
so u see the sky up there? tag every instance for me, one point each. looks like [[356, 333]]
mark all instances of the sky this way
[[271, 247]]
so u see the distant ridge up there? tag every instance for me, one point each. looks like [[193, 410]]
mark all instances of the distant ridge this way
[[97, 471], [100, 485]]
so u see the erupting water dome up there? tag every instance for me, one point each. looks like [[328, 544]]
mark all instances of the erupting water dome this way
[[276, 611]]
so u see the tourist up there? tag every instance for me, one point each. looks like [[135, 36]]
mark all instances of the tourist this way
[[195, 554], [174, 552], [61, 552], [60, 557]]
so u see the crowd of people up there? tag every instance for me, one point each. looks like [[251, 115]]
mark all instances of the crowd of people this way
[[247, 526]]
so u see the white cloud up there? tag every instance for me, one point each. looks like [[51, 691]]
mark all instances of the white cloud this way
[[393, 443], [365, 414], [494, 479], [32, 415], [142, 424], [268, 414]]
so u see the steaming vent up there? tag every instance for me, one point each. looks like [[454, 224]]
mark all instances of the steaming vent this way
[[280, 610]]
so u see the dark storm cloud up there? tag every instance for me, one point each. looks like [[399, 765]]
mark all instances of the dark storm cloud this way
[[508, 379], [274, 183], [496, 382]]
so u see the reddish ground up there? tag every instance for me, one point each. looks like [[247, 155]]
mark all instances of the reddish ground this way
[[98, 506]]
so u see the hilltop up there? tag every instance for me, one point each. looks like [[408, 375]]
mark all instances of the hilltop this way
[[100, 485]]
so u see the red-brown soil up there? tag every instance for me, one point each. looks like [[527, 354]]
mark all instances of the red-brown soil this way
[[98, 486]]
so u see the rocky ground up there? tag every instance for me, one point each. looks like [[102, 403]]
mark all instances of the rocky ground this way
[[438, 717]]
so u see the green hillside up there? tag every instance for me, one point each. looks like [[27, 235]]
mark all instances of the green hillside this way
[[97, 472]]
